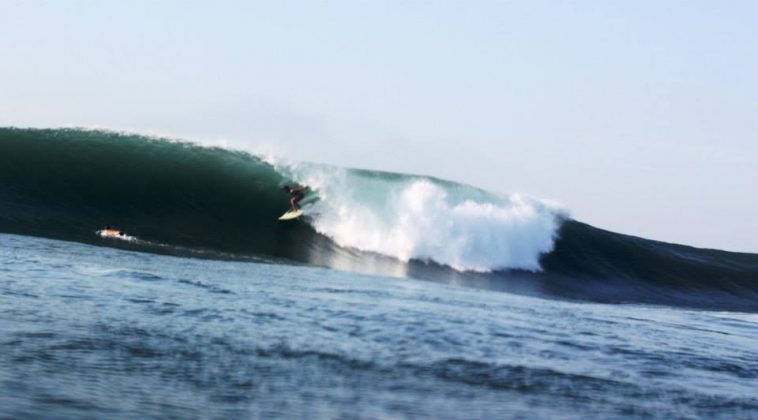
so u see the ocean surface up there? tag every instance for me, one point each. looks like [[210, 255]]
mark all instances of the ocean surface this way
[[395, 296]]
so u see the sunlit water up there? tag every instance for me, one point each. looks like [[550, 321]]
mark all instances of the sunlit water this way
[[96, 332]]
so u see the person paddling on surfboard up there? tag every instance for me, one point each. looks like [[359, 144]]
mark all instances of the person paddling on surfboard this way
[[296, 194], [111, 232]]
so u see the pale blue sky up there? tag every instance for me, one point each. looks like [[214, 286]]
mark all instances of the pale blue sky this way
[[639, 116]]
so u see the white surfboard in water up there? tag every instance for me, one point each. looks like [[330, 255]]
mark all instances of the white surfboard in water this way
[[291, 215]]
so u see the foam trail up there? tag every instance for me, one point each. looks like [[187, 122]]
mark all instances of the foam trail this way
[[428, 219]]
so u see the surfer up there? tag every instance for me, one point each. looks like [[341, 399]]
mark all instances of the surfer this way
[[111, 232], [296, 195]]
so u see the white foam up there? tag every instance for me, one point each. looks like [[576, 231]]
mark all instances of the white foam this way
[[421, 218], [111, 234]]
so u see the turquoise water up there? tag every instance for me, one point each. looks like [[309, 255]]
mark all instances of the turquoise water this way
[[94, 332]]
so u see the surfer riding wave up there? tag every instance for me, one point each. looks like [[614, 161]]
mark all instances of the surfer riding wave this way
[[296, 195]]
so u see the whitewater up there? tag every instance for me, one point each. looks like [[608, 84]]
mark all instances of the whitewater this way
[[395, 296], [427, 219]]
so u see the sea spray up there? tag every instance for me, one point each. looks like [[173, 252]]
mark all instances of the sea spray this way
[[428, 219]]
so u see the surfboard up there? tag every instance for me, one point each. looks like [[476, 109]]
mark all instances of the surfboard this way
[[109, 233], [114, 234], [291, 215]]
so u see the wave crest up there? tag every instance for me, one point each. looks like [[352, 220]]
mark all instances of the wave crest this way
[[428, 219]]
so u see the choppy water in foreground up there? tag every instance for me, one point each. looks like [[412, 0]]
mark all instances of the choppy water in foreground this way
[[96, 332]]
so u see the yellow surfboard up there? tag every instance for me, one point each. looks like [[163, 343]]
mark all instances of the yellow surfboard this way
[[291, 215]]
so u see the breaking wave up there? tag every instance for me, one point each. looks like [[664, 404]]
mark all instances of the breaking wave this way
[[181, 198]]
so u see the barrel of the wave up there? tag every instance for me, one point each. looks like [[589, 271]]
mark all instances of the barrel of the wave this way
[[172, 192]]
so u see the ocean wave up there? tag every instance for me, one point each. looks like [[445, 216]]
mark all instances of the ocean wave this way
[[208, 202]]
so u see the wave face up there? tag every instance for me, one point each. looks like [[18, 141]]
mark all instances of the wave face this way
[[184, 199]]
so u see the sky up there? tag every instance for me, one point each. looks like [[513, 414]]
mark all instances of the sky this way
[[640, 117]]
